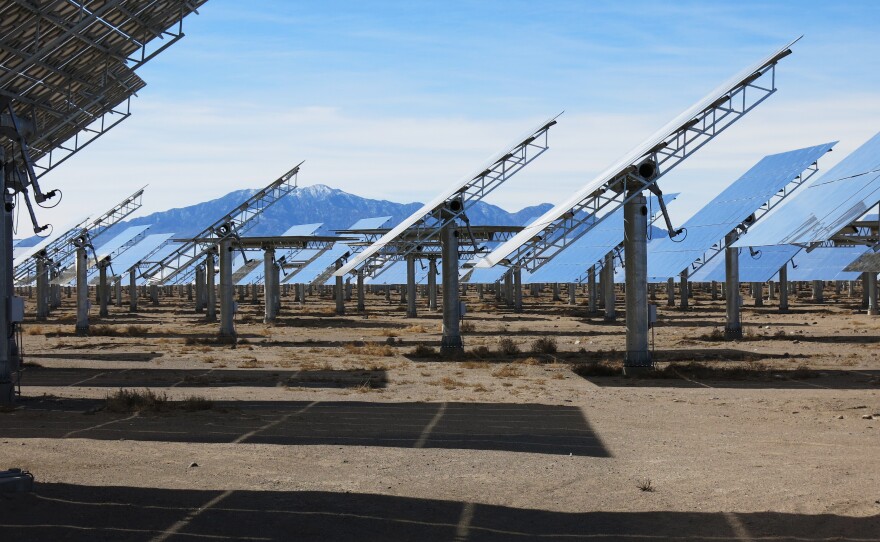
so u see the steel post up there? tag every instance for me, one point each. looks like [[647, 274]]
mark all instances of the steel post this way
[[758, 293], [82, 292], [783, 288], [9, 351], [517, 289], [227, 290], [432, 284], [818, 296], [683, 290], [733, 326], [572, 293], [450, 344], [594, 291], [873, 309], [102, 289], [608, 287], [132, 290], [635, 220], [268, 271], [361, 304], [42, 289], [411, 311], [670, 292]]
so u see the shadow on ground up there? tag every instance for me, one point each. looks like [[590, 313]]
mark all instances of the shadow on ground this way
[[530, 428], [73, 513], [202, 378]]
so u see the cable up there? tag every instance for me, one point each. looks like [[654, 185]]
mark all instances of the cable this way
[[60, 197], [682, 230]]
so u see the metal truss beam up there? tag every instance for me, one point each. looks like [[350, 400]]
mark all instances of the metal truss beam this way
[[179, 265], [427, 229], [561, 232], [62, 251]]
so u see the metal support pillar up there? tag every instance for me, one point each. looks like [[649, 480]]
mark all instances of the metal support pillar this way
[[635, 220], [873, 309], [103, 288], [340, 293], [117, 288], [508, 288], [9, 351], [432, 284], [594, 291], [670, 292], [210, 287], [684, 290], [608, 287], [865, 295], [42, 289], [818, 296], [227, 291], [132, 290], [783, 288], [200, 287], [517, 289], [154, 294], [572, 293], [450, 344], [82, 291], [361, 305], [733, 326], [556, 294], [771, 290], [268, 270], [758, 293], [411, 311], [302, 294], [714, 288]]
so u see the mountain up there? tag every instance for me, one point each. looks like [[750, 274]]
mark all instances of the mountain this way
[[317, 203]]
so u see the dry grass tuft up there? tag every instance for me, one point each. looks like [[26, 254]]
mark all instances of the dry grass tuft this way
[[467, 326], [34, 330], [149, 401], [415, 328], [423, 351], [508, 371], [544, 345], [474, 365], [507, 347], [369, 349]]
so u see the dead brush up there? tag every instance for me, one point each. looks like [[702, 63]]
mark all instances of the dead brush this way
[[467, 326], [416, 328], [544, 345], [507, 371], [389, 333], [34, 330], [147, 400], [481, 351], [598, 368], [474, 364], [370, 349], [423, 351], [507, 347]]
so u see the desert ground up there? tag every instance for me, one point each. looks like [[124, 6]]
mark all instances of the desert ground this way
[[326, 427]]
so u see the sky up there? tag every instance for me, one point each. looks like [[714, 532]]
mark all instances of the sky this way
[[399, 100]]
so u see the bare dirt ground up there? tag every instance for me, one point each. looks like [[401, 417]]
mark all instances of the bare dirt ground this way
[[340, 428]]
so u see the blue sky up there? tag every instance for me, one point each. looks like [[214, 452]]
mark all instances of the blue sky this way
[[397, 100]]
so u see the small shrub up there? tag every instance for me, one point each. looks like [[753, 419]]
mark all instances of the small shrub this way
[[415, 328], [645, 484], [423, 351], [136, 331], [194, 403], [508, 371], [467, 326], [136, 401], [507, 347], [34, 330], [601, 368], [475, 364], [544, 345]]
